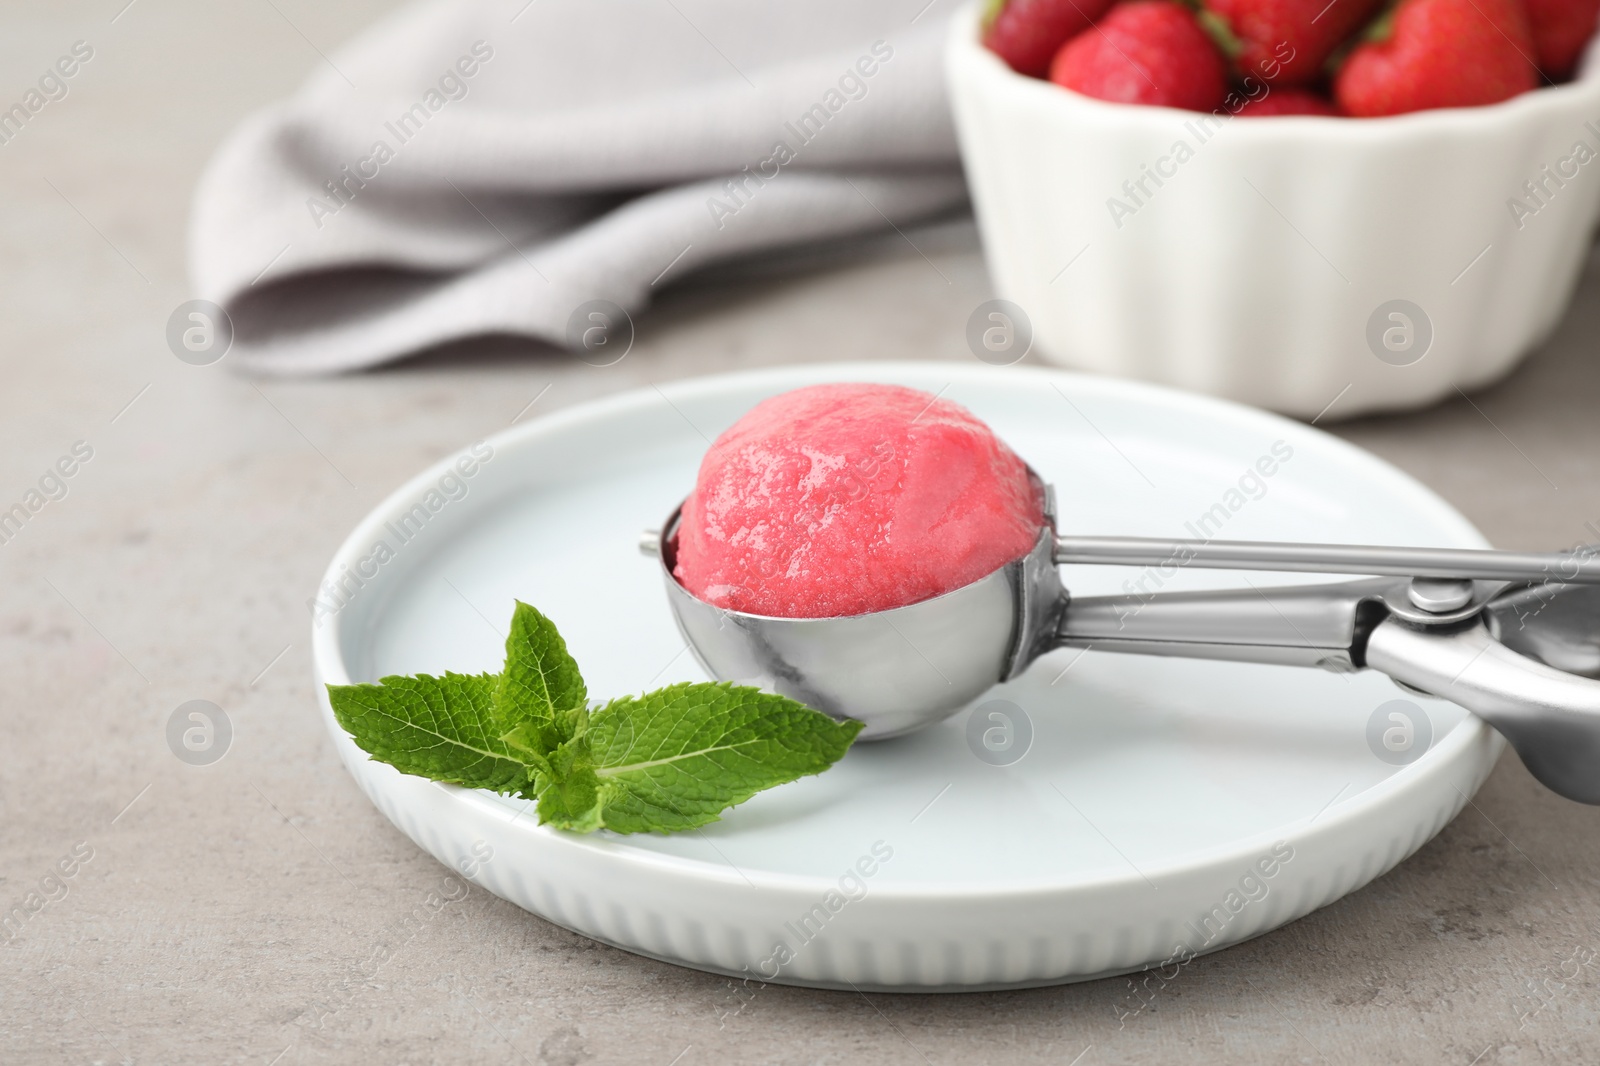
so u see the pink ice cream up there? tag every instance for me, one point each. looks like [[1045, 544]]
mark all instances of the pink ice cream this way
[[843, 499]]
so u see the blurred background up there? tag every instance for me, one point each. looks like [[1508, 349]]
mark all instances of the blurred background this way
[[220, 909]]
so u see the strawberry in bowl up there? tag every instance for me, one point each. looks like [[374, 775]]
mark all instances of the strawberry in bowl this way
[[1440, 53], [1362, 58], [1145, 52]]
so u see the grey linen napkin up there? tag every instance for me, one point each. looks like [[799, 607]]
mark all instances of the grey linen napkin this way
[[488, 166]]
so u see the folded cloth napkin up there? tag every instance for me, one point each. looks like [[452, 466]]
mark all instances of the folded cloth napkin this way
[[490, 166]]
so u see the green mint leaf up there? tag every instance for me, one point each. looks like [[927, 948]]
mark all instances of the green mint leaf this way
[[540, 681], [573, 804], [677, 757], [569, 792], [530, 742], [537, 738], [672, 759], [441, 728]]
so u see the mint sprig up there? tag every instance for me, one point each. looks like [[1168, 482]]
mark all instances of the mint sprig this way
[[669, 760]]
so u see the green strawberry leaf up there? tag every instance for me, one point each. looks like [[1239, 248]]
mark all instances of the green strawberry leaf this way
[[436, 727], [677, 757], [1220, 32], [541, 681], [1381, 28]]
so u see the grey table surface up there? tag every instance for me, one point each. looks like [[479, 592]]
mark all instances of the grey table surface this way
[[225, 911]]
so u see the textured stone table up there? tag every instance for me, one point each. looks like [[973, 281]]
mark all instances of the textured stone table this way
[[226, 914]]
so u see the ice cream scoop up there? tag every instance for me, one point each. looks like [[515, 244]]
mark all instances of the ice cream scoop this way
[[1512, 637]]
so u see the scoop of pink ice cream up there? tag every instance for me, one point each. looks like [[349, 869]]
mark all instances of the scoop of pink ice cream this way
[[843, 499]]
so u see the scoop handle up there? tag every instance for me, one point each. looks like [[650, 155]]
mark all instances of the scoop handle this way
[[1579, 566], [1302, 625], [1551, 717]]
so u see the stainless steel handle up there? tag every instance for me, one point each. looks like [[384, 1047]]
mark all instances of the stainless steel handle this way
[[1581, 565], [1551, 717], [1304, 625]]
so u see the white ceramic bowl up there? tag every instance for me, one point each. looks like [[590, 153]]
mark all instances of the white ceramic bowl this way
[[1262, 262]]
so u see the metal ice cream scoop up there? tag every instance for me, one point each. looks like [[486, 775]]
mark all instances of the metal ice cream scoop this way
[[1512, 637]]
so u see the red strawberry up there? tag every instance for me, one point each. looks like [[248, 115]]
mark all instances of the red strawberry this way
[[1145, 52], [1440, 53], [1288, 100], [1286, 42], [1028, 33], [1561, 29]]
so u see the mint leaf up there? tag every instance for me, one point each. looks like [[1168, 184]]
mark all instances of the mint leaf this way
[[672, 759], [569, 792], [441, 728], [540, 683], [677, 757]]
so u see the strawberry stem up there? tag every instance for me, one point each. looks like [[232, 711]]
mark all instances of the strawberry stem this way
[[1381, 28], [1377, 31], [1220, 32]]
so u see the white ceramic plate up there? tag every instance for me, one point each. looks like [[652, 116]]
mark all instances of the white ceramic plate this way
[[1155, 798]]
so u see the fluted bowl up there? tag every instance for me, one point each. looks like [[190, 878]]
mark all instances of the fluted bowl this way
[[1304, 264]]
